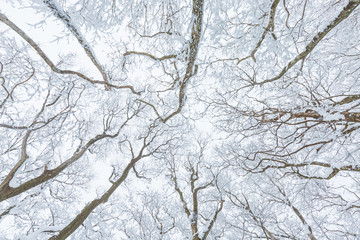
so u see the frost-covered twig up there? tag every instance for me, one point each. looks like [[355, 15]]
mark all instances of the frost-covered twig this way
[[345, 13], [47, 60], [65, 18]]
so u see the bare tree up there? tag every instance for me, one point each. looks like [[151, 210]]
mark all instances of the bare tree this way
[[196, 184], [100, 102], [293, 130], [185, 202], [76, 119]]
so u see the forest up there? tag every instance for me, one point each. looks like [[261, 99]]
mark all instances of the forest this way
[[170, 119]]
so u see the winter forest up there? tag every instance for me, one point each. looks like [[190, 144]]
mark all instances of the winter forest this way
[[171, 119]]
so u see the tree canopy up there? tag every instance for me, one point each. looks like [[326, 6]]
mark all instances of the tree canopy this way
[[171, 119]]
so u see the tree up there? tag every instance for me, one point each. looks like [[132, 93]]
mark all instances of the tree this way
[[291, 115], [185, 202], [101, 102]]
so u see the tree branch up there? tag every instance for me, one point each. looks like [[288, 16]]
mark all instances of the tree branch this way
[[47, 60], [315, 41]]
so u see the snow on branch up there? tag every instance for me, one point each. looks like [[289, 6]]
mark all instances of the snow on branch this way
[[65, 18]]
